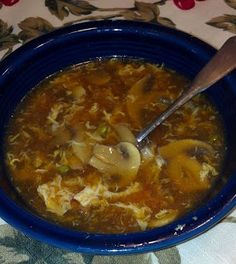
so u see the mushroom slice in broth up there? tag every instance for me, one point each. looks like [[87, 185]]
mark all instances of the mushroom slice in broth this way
[[122, 160], [125, 134], [80, 165]]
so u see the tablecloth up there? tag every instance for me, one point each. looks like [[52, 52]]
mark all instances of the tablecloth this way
[[213, 21]]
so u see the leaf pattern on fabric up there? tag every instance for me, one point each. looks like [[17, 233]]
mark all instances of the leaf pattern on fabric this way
[[168, 256], [230, 219], [39, 252], [33, 27], [165, 22], [15, 247], [128, 259], [10, 256], [62, 8], [7, 39], [11, 251], [71, 258], [161, 2], [142, 11], [225, 22], [23, 240], [146, 12], [87, 258], [231, 3]]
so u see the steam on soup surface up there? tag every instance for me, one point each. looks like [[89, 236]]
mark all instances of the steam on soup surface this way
[[71, 148]]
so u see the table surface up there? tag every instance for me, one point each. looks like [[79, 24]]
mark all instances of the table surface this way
[[213, 21]]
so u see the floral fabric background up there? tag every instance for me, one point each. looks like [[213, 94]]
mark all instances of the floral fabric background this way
[[213, 21]]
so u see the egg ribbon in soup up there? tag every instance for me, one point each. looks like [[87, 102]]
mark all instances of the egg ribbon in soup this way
[[71, 150]]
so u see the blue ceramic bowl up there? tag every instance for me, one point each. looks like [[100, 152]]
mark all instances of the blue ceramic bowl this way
[[30, 64]]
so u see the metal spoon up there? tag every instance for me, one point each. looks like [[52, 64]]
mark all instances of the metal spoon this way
[[220, 65]]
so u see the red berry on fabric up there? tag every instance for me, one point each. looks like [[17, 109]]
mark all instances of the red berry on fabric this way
[[184, 4], [9, 2]]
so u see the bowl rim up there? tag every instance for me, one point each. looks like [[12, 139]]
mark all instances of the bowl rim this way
[[107, 244]]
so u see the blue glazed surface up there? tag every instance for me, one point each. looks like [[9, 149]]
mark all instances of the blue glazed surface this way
[[24, 68]]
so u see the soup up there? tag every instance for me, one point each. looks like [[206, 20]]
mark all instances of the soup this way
[[72, 155]]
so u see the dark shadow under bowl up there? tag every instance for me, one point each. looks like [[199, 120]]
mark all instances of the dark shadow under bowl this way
[[28, 65]]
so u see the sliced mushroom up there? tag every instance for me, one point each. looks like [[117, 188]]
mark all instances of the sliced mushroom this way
[[184, 146], [140, 95], [141, 86], [122, 160], [125, 134], [82, 150], [184, 163], [186, 174]]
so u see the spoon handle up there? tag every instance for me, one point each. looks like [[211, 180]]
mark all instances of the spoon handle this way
[[220, 65]]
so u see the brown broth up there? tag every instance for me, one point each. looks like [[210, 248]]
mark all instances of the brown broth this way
[[81, 105]]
